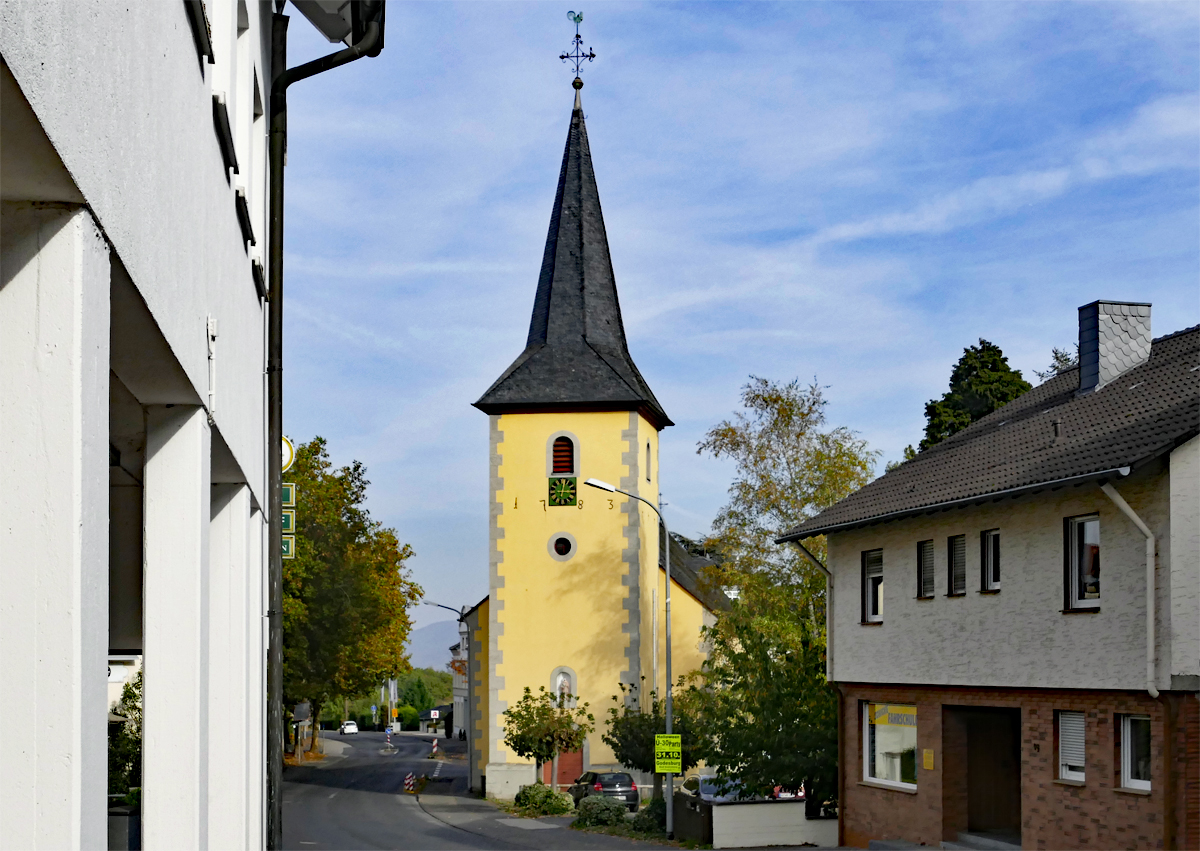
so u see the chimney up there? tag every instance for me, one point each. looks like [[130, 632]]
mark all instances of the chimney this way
[[1114, 337]]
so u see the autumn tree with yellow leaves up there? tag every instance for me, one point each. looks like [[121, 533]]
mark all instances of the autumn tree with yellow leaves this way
[[347, 592]]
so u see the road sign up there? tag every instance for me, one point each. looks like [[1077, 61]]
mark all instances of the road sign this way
[[287, 519], [668, 753], [289, 454], [434, 714], [289, 546], [374, 708], [395, 712], [289, 494]]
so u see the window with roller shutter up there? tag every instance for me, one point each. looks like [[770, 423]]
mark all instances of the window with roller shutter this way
[[1071, 748], [957, 558], [925, 575]]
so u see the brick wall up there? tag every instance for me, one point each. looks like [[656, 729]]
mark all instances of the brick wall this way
[[1054, 814]]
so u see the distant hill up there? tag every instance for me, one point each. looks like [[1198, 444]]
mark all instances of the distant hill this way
[[430, 645]]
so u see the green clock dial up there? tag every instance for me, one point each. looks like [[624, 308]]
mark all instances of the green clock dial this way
[[562, 491]]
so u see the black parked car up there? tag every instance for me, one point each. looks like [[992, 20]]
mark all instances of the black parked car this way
[[611, 784]]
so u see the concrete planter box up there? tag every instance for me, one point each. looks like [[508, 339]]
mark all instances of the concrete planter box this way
[[756, 824]]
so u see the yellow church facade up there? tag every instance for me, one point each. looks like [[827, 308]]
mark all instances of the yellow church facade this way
[[577, 589]]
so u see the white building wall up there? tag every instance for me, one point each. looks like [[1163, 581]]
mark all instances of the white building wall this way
[[107, 118], [127, 104], [54, 308], [1019, 637], [1184, 548]]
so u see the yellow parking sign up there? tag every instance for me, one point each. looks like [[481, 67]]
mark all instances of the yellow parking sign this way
[[668, 753]]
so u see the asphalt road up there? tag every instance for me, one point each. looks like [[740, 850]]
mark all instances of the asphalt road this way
[[355, 799]]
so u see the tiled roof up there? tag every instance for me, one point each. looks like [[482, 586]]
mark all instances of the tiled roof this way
[[687, 569], [1146, 411], [575, 357]]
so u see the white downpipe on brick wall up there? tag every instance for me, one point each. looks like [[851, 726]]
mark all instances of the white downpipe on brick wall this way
[[1119, 502]]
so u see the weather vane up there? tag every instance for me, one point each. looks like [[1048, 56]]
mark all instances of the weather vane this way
[[577, 55]]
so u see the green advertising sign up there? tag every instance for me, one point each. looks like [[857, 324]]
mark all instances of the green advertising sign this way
[[668, 753]]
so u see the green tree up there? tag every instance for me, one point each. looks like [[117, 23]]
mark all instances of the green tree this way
[[438, 684], [125, 741], [409, 717], [540, 727], [632, 725], [980, 382], [1060, 361], [762, 696], [416, 694], [347, 592]]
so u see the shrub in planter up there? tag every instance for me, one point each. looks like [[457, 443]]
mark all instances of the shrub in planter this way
[[540, 800], [597, 810], [652, 818]]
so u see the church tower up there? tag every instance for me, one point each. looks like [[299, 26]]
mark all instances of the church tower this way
[[575, 588]]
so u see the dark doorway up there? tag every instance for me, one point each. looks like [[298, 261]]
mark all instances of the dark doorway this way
[[993, 770]]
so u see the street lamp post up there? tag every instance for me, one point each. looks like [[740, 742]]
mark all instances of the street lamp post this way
[[605, 486], [462, 636]]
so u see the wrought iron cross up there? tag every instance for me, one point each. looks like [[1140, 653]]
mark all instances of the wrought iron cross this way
[[577, 55]]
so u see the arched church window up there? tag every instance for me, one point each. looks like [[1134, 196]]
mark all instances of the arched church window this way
[[563, 457]]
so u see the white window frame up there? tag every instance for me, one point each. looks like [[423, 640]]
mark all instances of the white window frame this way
[[1074, 601], [868, 598], [990, 557], [1127, 780], [866, 752], [1065, 772]]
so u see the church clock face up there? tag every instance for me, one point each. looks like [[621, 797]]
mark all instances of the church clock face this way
[[562, 491]]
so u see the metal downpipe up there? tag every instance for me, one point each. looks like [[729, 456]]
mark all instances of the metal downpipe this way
[[282, 77]]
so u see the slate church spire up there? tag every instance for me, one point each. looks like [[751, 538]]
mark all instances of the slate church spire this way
[[576, 357]]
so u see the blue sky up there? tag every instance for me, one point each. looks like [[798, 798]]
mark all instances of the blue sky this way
[[847, 191]]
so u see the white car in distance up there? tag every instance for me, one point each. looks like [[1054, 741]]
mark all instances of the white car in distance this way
[[347, 728]]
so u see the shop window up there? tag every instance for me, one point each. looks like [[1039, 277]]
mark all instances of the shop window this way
[[890, 744], [1071, 749], [1135, 752]]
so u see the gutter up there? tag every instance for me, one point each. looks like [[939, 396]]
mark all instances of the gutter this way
[[828, 610], [1119, 502], [953, 503], [282, 77]]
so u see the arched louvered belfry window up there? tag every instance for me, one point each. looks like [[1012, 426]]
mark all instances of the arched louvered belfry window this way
[[563, 458]]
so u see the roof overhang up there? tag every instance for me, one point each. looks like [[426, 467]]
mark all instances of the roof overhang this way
[[979, 499], [648, 413]]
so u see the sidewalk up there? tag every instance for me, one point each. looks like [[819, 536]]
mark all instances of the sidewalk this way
[[483, 818]]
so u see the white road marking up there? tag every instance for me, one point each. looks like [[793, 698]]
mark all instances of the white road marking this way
[[438, 770], [332, 794]]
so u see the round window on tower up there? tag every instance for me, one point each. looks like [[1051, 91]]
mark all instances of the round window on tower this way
[[562, 546]]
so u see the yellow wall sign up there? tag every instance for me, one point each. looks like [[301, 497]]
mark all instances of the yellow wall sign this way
[[668, 753], [928, 754], [891, 714]]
